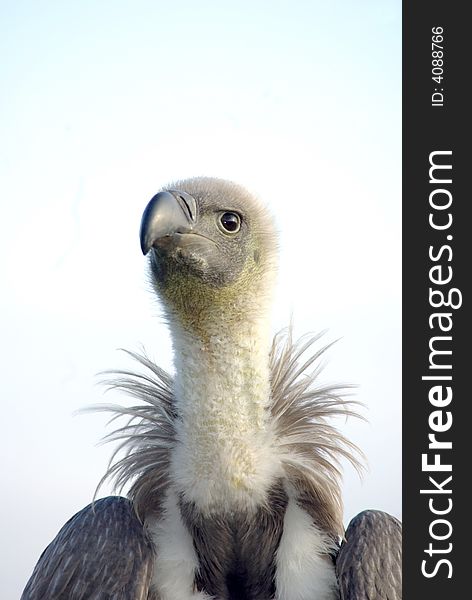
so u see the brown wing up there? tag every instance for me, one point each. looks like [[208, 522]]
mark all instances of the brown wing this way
[[369, 562], [102, 553]]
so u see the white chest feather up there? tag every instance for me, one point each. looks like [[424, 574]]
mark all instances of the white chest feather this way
[[304, 571], [176, 560]]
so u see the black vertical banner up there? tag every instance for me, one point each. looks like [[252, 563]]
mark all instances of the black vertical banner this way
[[437, 259]]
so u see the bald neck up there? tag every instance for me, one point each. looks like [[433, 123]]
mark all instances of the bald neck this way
[[222, 394]]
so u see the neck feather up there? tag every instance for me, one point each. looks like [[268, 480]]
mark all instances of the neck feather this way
[[225, 455]]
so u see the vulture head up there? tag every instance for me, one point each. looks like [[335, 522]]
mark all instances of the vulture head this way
[[213, 253]]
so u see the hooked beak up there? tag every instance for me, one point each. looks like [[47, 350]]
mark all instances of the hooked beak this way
[[167, 213]]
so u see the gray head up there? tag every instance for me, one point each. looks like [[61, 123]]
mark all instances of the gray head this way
[[212, 247]]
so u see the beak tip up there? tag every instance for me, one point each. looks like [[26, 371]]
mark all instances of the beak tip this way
[[144, 240]]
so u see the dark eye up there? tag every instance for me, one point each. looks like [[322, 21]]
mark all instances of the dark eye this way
[[231, 222]]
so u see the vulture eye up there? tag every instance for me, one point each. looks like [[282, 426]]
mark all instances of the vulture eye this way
[[231, 222]]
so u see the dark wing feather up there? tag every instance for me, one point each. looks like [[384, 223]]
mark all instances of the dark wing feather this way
[[102, 553], [369, 562]]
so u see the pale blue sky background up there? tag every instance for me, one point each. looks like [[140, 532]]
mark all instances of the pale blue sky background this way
[[102, 103]]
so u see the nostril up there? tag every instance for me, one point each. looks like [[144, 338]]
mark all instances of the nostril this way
[[191, 217], [187, 203]]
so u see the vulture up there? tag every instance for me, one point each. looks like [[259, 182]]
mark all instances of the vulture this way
[[233, 463]]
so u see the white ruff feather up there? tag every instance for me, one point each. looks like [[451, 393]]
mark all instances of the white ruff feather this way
[[218, 435]]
